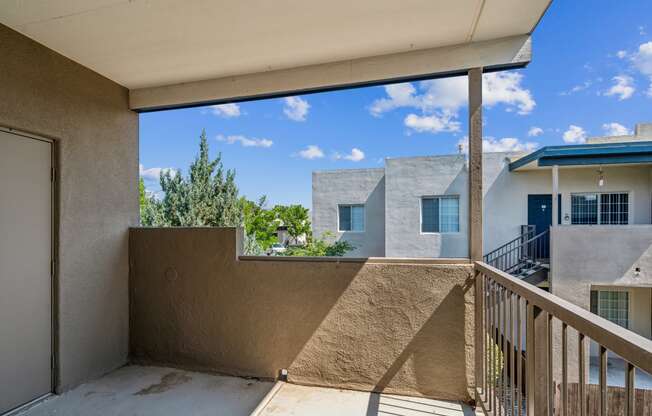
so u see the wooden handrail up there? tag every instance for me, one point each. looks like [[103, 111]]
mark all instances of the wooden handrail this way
[[629, 345]]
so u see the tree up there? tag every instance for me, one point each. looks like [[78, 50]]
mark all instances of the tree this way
[[149, 208], [259, 223], [321, 247], [296, 219], [208, 196]]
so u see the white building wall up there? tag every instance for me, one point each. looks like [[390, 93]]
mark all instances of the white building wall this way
[[351, 186], [407, 181]]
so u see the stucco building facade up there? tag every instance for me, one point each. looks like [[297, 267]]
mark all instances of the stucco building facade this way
[[599, 253]]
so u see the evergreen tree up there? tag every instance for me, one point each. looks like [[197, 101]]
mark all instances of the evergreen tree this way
[[208, 196]]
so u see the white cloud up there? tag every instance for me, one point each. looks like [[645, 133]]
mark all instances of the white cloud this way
[[311, 152], [574, 134], [621, 54], [615, 129], [226, 110], [506, 144], [505, 88], [642, 61], [400, 95], [153, 174], [296, 108], [245, 141], [623, 87], [432, 124], [356, 155], [440, 100], [535, 131], [577, 88], [641, 31]]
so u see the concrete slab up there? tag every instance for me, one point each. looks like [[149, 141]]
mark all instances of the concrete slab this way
[[157, 391], [290, 400]]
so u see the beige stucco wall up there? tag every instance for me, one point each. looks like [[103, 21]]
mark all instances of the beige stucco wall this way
[[97, 142], [403, 328]]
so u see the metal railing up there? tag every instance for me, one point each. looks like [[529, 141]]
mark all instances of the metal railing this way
[[527, 248], [512, 380]]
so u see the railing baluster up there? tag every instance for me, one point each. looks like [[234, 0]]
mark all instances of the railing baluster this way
[[512, 361], [551, 378], [581, 360], [529, 357], [501, 341], [492, 349], [486, 338], [519, 356], [564, 369], [630, 390], [504, 383], [603, 381]]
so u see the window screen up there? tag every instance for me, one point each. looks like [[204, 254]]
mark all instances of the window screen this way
[[611, 305], [440, 214], [605, 208], [351, 217]]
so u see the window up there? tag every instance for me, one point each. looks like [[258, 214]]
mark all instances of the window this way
[[611, 305], [440, 214], [351, 218], [605, 208]]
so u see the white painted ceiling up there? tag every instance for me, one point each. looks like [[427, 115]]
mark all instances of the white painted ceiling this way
[[145, 43]]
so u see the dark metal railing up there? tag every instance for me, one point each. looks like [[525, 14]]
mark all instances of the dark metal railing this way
[[523, 333], [524, 251]]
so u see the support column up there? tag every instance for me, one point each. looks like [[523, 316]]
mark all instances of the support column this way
[[475, 164], [555, 197]]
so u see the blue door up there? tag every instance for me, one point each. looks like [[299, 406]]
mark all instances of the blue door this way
[[539, 214]]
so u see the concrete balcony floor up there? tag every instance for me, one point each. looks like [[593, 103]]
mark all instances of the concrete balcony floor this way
[[160, 391]]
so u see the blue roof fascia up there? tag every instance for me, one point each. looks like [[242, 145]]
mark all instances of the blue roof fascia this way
[[583, 154]]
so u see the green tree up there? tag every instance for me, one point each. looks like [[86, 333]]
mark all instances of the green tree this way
[[149, 207], [296, 219], [208, 196], [259, 223], [321, 247]]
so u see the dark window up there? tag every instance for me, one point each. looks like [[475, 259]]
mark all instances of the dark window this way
[[351, 218], [440, 214], [606, 208]]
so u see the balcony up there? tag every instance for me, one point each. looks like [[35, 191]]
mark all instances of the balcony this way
[[350, 336]]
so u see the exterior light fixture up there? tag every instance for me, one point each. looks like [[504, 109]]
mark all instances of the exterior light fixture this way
[[600, 177]]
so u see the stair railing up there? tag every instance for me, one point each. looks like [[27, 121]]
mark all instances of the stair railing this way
[[521, 252]]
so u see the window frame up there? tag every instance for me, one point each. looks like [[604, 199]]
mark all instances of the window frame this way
[[597, 310], [599, 206], [364, 218], [445, 196]]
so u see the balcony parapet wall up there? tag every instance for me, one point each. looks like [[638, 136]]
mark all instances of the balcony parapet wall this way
[[397, 325]]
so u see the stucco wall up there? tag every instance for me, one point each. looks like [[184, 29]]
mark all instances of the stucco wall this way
[[351, 186], [586, 256], [97, 142], [506, 194], [409, 179], [402, 328]]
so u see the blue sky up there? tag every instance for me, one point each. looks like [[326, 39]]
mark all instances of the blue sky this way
[[591, 75]]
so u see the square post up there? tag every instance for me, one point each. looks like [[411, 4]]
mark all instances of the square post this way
[[475, 164], [555, 197]]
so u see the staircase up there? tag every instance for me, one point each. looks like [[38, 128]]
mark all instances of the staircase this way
[[526, 257]]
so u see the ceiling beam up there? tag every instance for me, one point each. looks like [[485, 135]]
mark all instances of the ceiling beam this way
[[499, 54]]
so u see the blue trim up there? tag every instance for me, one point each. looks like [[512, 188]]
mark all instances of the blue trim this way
[[589, 154]]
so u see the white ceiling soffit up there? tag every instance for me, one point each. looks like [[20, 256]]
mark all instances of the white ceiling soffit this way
[[152, 43]]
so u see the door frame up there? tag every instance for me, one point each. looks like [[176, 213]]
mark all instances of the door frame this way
[[54, 259]]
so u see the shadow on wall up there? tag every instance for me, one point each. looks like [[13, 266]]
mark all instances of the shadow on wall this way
[[398, 328]]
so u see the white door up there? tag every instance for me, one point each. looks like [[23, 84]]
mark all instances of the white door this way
[[25, 276]]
